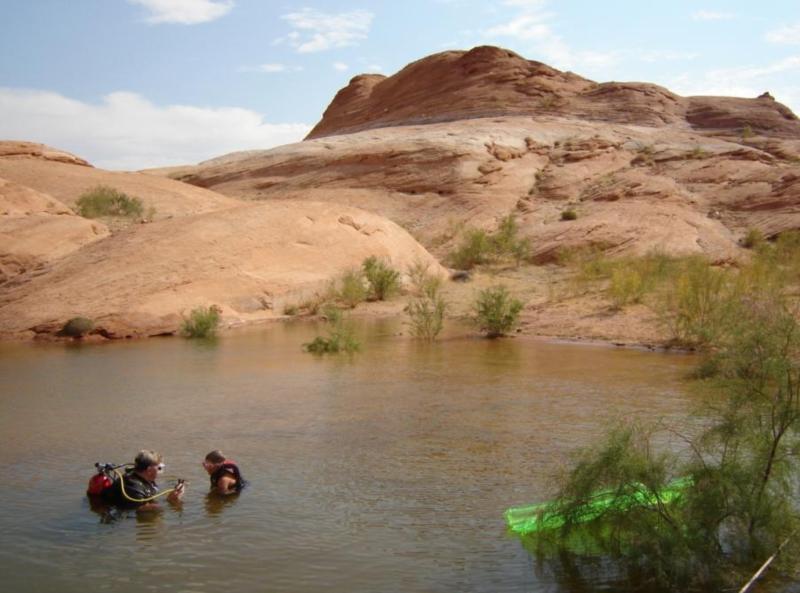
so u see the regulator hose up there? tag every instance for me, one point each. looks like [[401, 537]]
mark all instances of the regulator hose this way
[[147, 499]]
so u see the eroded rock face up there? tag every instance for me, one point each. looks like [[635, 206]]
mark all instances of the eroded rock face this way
[[20, 149], [251, 261], [634, 188], [38, 169], [36, 230], [494, 82]]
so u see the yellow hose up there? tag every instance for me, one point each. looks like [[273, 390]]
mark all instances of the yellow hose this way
[[148, 499]]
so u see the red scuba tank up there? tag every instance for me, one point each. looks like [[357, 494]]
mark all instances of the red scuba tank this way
[[98, 484]]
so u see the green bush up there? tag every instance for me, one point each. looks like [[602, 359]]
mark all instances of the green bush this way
[[475, 249], [569, 214], [427, 314], [351, 289], [478, 247], [505, 241], [107, 201], [626, 287], [202, 322], [741, 464], [753, 239], [383, 280], [423, 282], [340, 338], [77, 327], [496, 312]]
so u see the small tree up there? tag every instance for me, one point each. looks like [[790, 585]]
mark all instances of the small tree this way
[[496, 312], [202, 322], [383, 280]]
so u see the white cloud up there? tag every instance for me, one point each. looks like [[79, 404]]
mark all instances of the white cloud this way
[[789, 35], [315, 31], [708, 15], [532, 25], [126, 131], [666, 55], [272, 68], [747, 81], [184, 12], [340, 66]]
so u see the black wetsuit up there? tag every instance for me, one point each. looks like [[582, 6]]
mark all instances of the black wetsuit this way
[[136, 488], [231, 469]]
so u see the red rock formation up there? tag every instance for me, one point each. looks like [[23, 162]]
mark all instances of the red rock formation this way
[[490, 82]]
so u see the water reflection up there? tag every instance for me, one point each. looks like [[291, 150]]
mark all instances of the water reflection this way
[[388, 471], [216, 503]]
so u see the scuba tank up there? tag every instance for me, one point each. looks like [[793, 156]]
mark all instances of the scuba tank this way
[[103, 482]]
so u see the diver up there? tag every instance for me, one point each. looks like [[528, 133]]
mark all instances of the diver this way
[[137, 487], [225, 476]]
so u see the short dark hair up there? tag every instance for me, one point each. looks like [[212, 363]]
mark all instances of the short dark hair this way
[[216, 456]]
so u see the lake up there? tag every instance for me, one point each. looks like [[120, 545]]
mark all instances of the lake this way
[[381, 472]]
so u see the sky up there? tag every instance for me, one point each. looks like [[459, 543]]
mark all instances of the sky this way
[[129, 84]]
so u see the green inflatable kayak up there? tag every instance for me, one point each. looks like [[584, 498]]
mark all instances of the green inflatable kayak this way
[[545, 516]]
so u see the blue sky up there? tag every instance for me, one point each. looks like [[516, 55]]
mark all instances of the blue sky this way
[[138, 83]]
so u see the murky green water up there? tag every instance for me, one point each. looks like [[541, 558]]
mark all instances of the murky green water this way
[[385, 472]]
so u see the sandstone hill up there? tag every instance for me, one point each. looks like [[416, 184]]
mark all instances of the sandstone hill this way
[[203, 249], [250, 261], [463, 139], [490, 81]]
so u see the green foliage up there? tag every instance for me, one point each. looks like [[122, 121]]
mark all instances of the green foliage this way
[[569, 214], [422, 281], [291, 310], [340, 338], [496, 311], [351, 290], [383, 280], [747, 132], [697, 153], [473, 250], [202, 322], [426, 313], [697, 305], [77, 327], [754, 238], [479, 247], [107, 201], [742, 456]]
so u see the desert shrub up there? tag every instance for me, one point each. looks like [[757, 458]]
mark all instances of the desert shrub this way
[[107, 201], [202, 322], [351, 290], [627, 286], [383, 280], [496, 311], [77, 327], [422, 281], [474, 249], [697, 153], [740, 470], [569, 214], [747, 132], [754, 238], [426, 313], [291, 309], [698, 304], [506, 242], [340, 338]]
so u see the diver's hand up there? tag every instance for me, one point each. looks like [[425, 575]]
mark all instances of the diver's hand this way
[[177, 494]]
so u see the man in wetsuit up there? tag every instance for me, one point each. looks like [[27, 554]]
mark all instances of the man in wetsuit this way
[[137, 487], [225, 475]]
